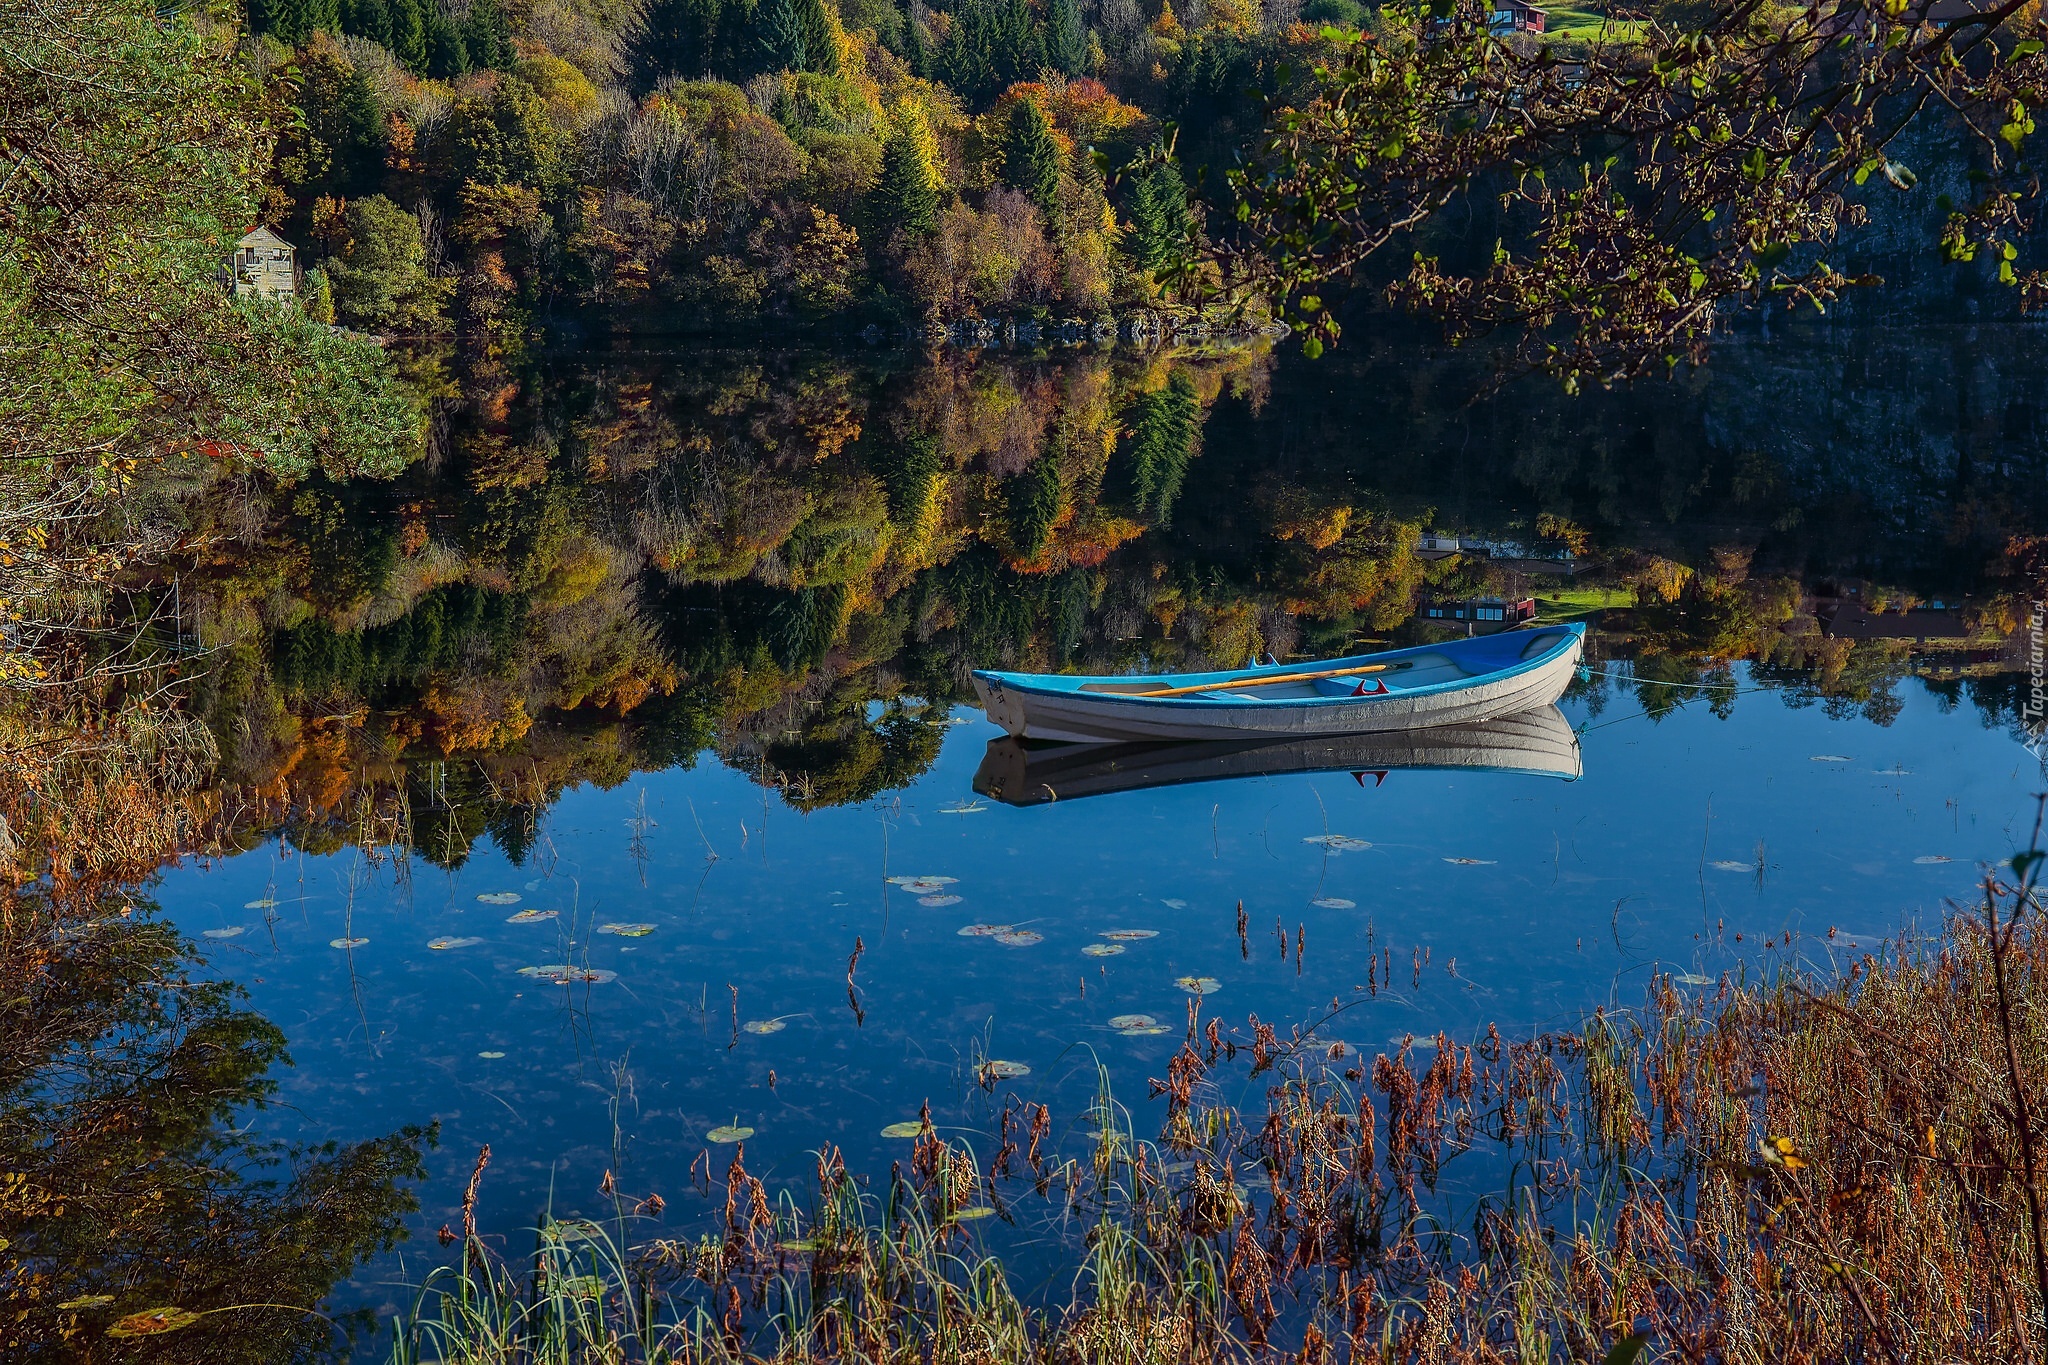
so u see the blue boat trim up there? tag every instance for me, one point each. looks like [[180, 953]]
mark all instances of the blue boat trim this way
[[1510, 643]]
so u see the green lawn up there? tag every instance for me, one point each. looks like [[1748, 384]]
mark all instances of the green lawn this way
[[1569, 602], [1585, 25]]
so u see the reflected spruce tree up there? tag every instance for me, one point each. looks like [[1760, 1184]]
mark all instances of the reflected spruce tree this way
[[132, 1091]]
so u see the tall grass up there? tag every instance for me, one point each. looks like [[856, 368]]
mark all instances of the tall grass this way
[[1807, 1166]]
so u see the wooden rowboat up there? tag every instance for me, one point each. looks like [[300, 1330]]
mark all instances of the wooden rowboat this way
[[1537, 743], [1462, 682]]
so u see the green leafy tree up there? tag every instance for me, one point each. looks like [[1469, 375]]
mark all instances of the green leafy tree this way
[[1031, 158], [1162, 221], [505, 137], [380, 281], [117, 339]]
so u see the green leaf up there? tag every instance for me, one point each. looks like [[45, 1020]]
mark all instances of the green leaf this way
[[2026, 47], [1625, 1351], [1313, 348]]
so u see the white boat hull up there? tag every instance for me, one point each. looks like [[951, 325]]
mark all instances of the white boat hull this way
[[1084, 716]]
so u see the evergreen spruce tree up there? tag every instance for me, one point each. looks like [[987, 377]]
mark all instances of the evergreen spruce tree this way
[[904, 196], [1161, 221], [409, 34], [1031, 503], [1066, 38], [1162, 442], [821, 54], [1031, 159], [782, 36], [917, 48], [367, 19], [447, 53]]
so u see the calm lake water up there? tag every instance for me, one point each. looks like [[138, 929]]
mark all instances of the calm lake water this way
[[1736, 830]]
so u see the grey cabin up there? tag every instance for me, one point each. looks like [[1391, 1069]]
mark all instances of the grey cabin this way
[[264, 266]]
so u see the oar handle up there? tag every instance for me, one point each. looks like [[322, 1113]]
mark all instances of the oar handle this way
[[1271, 678]]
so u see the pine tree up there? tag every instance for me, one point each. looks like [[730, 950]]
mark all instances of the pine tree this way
[[1162, 442], [917, 48], [904, 197], [1066, 38], [1161, 221], [1031, 159], [782, 36], [409, 34], [1031, 504], [367, 19], [821, 53]]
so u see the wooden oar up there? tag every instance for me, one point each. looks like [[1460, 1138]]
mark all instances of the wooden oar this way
[[1270, 678]]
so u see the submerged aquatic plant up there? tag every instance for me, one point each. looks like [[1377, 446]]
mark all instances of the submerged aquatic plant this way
[[1794, 1168]]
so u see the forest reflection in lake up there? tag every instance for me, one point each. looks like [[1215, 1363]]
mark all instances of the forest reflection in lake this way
[[562, 781]]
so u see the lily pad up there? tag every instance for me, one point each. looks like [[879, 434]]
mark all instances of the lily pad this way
[[1834, 758], [499, 898], [1928, 859], [1124, 1021], [907, 1129], [1341, 843], [1128, 935], [1730, 865], [922, 887], [1019, 938], [346, 942], [801, 1244], [1693, 979], [983, 930], [1174, 905], [152, 1322], [1005, 1071], [235, 929], [1102, 949], [1472, 862], [921, 880], [490, 1056], [531, 916], [583, 976], [936, 901], [729, 1132], [267, 903], [547, 969], [444, 943], [764, 1026], [1198, 985], [1333, 903], [1149, 1031], [85, 1301], [626, 930], [972, 1212]]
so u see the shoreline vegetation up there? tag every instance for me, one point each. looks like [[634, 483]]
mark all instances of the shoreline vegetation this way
[[1816, 1163], [260, 572]]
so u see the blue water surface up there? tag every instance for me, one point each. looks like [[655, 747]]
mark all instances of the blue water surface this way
[[1693, 844]]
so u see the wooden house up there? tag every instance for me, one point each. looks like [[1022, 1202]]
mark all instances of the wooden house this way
[[1514, 16], [1482, 615], [264, 266]]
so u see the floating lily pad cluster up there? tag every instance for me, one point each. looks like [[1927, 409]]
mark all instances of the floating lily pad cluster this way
[[530, 916], [446, 942], [1338, 843], [929, 890], [1137, 1025], [567, 974]]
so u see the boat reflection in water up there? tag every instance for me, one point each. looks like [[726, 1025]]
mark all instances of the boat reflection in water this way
[[1540, 743]]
